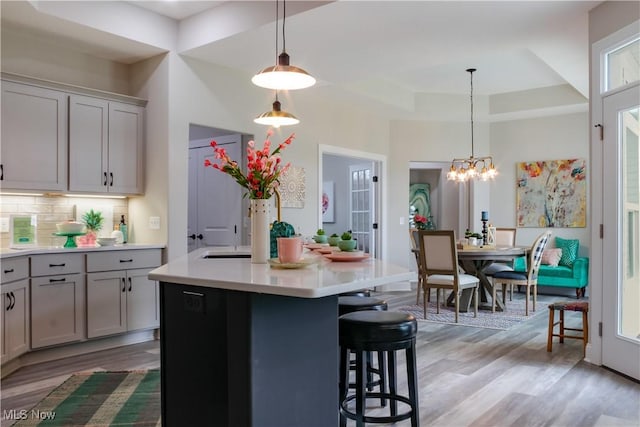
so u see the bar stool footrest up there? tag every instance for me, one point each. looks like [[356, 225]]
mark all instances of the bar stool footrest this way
[[377, 419]]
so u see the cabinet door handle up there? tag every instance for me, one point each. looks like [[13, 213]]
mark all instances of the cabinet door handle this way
[[57, 265], [192, 236], [124, 285], [126, 260], [57, 280], [129, 284], [8, 295], [8, 271], [200, 236], [111, 175], [105, 179], [1, 172], [13, 301]]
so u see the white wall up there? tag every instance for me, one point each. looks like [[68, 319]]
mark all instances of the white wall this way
[[550, 138]]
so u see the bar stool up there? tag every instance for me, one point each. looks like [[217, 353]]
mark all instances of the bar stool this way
[[350, 304], [384, 332], [581, 306], [361, 293]]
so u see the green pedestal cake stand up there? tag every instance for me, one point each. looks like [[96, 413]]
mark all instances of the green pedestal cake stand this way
[[70, 243]]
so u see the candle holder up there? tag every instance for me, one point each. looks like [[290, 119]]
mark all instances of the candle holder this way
[[484, 232]]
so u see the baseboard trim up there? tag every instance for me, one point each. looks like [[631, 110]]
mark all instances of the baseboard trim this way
[[75, 349]]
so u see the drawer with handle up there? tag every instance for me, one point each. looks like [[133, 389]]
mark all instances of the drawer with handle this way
[[48, 265], [123, 259], [14, 269]]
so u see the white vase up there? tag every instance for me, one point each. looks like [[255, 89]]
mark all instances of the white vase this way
[[260, 237]]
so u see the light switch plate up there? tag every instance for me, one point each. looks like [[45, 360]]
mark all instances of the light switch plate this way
[[154, 223], [4, 225]]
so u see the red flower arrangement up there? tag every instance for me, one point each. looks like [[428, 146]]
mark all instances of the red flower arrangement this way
[[419, 219], [263, 168]]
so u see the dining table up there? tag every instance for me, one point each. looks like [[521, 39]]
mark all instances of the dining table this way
[[474, 260]]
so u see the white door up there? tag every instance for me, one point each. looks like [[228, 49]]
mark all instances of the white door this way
[[217, 200], [363, 221], [621, 218]]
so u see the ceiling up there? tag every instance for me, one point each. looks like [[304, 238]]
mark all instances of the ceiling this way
[[390, 52]]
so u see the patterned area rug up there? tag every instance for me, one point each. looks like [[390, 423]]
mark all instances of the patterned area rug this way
[[101, 399], [503, 320]]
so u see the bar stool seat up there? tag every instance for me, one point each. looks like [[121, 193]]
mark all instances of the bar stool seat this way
[[581, 306], [384, 332], [349, 304], [361, 293]]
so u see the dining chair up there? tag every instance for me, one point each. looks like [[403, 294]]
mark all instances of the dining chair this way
[[528, 278], [504, 237], [439, 258], [415, 248]]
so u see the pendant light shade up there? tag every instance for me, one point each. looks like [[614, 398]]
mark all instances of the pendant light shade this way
[[283, 75], [276, 117]]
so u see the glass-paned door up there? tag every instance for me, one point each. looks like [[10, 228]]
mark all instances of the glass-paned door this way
[[621, 242], [361, 205]]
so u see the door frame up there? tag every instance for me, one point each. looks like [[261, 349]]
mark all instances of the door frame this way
[[381, 198], [596, 263]]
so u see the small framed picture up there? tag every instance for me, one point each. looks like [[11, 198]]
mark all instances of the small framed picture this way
[[22, 229]]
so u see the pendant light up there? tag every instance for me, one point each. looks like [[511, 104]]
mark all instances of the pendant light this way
[[463, 170], [283, 75], [276, 117]]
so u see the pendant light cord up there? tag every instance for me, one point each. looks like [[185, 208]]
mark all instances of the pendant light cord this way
[[471, 70], [284, 18], [277, 17]]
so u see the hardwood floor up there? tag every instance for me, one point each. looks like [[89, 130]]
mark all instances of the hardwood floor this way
[[468, 376]]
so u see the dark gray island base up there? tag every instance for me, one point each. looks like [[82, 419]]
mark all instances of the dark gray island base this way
[[235, 358]]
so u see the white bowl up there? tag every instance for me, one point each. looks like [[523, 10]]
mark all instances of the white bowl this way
[[106, 241], [70, 227]]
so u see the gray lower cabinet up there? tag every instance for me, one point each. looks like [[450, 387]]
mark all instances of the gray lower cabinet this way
[[121, 300], [57, 299], [14, 339]]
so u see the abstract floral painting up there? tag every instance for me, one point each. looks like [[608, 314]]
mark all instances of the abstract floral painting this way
[[327, 202], [419, 201], [551, 193]]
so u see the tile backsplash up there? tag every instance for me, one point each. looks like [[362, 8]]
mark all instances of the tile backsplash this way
[[51, 210]]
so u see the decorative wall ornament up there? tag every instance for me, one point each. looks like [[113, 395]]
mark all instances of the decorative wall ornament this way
[[551, 193], [292, 188]]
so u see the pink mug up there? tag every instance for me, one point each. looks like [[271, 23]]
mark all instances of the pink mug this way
[[289, 249]]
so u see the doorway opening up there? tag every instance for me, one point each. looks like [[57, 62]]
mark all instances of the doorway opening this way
[[215, 200], [350, 186]]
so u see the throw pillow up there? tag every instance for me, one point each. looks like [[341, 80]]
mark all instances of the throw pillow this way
[[551, 256], [569, 250]]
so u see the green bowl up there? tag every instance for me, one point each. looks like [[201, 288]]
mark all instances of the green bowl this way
[[347, 245], [320, 239]]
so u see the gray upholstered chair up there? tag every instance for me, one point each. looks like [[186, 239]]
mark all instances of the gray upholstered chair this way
[[439, 259]]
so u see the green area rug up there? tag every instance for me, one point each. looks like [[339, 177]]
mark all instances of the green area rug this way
[[503, 320], [130, 398]]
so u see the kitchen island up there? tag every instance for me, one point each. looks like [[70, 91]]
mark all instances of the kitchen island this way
[[245, 344]]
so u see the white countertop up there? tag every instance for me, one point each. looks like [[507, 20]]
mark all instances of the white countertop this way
[[313, 281], [10, 253]]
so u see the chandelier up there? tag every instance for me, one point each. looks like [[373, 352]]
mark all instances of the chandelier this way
[[283, 75], [465, 169]]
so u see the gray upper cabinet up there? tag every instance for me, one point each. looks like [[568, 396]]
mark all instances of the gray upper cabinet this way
[[105, 146], [33, 149], [58, 137]]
